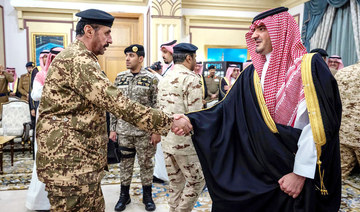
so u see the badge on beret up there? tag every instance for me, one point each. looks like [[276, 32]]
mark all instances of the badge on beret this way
[[135, 49]]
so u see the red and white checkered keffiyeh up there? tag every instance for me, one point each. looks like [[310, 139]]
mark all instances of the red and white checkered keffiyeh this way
[[41, 76], [283, 90]]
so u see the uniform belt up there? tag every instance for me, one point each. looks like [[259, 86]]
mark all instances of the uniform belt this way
[[3, 94]]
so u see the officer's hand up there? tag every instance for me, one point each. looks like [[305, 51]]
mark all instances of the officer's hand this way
[[292, 184], [112, 136], [155, 139], [33, 112], [181, 125]]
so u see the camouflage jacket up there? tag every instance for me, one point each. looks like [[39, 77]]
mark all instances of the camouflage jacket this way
[[180, 91], [141, 88], [71, 128], [348, 80]]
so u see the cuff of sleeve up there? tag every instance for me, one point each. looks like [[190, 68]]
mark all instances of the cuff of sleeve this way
[[304, 170]]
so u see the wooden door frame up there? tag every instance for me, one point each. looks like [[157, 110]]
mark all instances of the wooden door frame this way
[[138, 16]]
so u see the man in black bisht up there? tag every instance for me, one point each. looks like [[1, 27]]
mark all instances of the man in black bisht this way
[[273, 143]]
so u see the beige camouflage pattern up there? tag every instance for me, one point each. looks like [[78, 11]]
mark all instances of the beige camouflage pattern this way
[[350, 156], [348, 80], [143, 89], [186, 181], [71, 129], [145, 152], [179, 92], [76, 198]]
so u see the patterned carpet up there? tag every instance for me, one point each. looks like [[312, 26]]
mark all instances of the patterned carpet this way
[[19, 176]]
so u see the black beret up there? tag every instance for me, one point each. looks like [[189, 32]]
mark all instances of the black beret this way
[[94, 16], [269, 13], [211, 67], [185, 48], [136, 48], [320, 51], [29, 64], [169, 44]]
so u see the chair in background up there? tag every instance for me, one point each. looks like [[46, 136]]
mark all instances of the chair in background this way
[[16, 121]]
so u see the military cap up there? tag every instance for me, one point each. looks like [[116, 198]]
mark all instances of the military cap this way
[[270, 13], [185, 48], [322, 52], [169, 43], [136, 48], [94, 16], [211, 67], [29, 64]]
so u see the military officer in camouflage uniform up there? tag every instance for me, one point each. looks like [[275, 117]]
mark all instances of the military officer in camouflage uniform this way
[[180, 91], [348, 80], [5, 78], [140, 86], [71, 128]]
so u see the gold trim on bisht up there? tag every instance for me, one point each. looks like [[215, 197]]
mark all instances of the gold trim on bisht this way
[[263, 108], [312, 103]]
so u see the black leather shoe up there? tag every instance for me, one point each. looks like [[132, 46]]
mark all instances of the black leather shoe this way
[[147, 199], [124, 199], [157, 180]]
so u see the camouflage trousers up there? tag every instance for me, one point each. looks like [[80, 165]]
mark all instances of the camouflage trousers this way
[[145, 152], [186, 181], [76, 198], [349, 157]]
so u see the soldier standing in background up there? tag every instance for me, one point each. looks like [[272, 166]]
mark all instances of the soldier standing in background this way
[[180, 91], [5, 78], [24, 83], [141, 86], [71, 130], [212, 84]]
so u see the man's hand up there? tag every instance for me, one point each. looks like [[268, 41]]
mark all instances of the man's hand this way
[[12, 94], [33, 112], [181, 125], [226, 87], [155, 139], [213, 96], [292, 184], [112, 136]]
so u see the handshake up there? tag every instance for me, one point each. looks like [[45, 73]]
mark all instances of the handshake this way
[[181, 125]]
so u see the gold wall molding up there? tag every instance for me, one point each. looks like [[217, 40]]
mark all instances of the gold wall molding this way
[[228, 22], [118, 2], [45, 14], [292, 3], [240, 5]]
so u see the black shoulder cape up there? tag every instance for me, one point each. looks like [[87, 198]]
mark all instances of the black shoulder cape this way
[[243, 160]]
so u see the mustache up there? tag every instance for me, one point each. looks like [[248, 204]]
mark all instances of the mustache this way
[[106, 45]]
